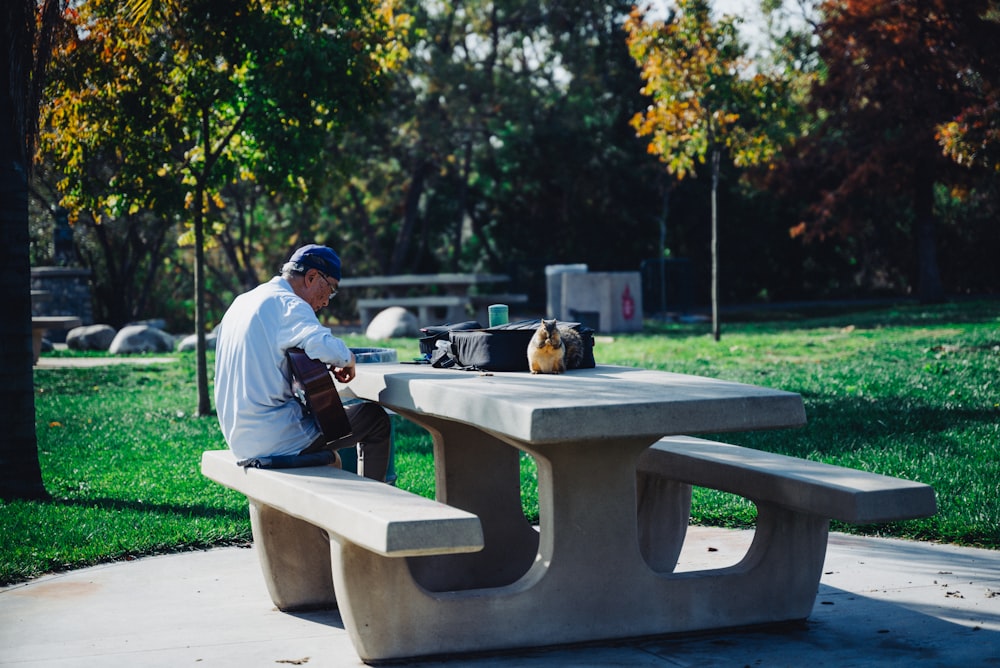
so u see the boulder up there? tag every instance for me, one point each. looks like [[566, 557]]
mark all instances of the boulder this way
[[393, 322], [90, 337], [190, 342], [141, 339]]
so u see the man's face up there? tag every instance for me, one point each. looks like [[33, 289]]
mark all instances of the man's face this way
[[320, 289]]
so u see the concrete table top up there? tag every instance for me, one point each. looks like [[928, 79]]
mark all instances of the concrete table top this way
[[608, 401]]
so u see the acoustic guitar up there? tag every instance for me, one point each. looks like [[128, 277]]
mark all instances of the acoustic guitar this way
[[313, 386]]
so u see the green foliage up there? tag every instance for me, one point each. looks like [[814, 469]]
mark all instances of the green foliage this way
[[159, 132], [503, 143], [702, 95], [506, 147]]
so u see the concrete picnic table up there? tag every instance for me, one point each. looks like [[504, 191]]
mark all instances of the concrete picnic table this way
[[581, 576], [415, 291], [456, 283]]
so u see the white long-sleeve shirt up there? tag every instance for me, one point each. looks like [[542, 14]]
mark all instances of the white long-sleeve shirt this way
[[258, 414]]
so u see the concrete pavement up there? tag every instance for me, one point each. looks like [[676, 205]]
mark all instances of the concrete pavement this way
[[881, 602]]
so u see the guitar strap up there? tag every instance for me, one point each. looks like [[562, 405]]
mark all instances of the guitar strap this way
[[321, 458]]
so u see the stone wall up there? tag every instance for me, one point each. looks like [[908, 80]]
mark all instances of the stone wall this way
[[69, 294]]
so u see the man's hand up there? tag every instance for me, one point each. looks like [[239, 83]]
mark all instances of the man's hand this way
[[346, 374]]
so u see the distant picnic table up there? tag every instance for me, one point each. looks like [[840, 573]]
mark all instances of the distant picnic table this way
[[453, 294]]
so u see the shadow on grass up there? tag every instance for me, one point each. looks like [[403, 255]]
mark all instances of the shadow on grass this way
[[851, 428], [207, 512], [890, 417], [862, 315]]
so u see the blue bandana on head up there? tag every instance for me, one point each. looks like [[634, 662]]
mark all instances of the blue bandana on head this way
[[322, 258]]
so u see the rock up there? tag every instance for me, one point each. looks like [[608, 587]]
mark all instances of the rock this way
[[393, 322], [190, 342], [141, 339], [90, 337]]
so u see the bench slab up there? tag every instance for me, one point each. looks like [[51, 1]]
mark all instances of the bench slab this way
[[384, 302], [379, 517], [816, 488]]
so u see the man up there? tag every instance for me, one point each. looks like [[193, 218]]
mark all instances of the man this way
[[259, 415]]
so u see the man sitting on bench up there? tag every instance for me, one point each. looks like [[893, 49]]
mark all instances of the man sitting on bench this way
[[261, 418]]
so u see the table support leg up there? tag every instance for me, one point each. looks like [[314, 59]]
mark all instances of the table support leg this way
[[294, 558], [481, 474], [664, 509]]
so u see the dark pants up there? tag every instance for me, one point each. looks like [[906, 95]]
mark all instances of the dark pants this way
[[371, 435]]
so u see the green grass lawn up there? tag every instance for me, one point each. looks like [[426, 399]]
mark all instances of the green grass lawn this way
[[907, 391]]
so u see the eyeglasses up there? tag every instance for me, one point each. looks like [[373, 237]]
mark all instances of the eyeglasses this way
[[333, 290]]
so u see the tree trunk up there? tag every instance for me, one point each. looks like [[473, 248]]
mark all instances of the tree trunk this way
[[411, 212], [20, 473], [929, 286], [716, 333], [204, 404]]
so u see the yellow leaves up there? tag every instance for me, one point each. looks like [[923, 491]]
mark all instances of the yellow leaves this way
[[725, 118], [959, 193], [195, 154], [186, 239], [692, 70], [952, 137]]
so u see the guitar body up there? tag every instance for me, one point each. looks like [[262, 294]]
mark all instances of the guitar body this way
[[313, 386]]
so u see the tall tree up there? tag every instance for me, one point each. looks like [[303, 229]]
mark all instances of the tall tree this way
[[103, 140], [27, 29], [704, 103], [898, 74], [215, 93]]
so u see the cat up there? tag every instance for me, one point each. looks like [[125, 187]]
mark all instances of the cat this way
[[554, 348]]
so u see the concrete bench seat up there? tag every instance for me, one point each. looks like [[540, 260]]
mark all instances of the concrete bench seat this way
[[814, 488], [455, 306], [481, 303], [289, 507], [795, 498]]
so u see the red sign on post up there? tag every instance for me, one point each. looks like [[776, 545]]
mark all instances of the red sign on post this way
[[628, 304]]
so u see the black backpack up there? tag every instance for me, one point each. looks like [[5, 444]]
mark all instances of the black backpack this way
[[467, 345]]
